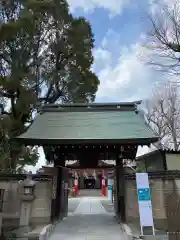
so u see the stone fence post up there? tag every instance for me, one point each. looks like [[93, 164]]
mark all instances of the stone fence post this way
[[27, 196]]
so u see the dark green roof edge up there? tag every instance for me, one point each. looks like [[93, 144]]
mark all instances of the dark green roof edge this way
[[105, 107], [93, 104], [139, 141], [90, 106]]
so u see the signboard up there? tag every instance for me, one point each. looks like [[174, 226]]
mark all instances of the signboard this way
[[110, 182], [109, 187], [144, 201], [144, 194]]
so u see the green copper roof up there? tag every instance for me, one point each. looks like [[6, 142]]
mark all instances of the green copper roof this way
[[89, 123]]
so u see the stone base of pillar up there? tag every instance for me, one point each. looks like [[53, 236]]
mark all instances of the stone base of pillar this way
[[22, 230]]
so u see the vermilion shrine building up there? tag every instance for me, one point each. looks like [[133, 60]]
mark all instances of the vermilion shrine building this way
[[88, 133], [102, 171]]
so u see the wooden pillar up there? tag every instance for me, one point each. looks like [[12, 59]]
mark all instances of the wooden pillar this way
[[64, 192], [57, 201], [164, 160], [54, 195], [116, 181], [120, 190]]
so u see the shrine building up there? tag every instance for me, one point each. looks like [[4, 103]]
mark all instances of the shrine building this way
[[88, 134]]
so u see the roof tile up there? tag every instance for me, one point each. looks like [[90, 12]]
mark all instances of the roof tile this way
[[109, 125]]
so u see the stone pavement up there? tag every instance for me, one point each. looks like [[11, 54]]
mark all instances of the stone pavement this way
[[73, 204], [89, 192], [90, 206], [108, 205], [89, 221]]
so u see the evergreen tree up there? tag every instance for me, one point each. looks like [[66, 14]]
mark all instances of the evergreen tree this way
[[45, 57]]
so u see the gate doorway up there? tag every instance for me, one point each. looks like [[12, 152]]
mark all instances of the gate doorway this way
[[92, 180], [88, 133]]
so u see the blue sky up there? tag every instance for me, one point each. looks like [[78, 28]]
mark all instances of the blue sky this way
[[120, 28]]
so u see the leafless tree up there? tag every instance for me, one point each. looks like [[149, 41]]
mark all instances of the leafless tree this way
[[164, 38], [163, 114]]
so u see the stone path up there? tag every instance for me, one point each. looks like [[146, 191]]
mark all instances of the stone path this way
[[108, 205], [89, 221], [90, 206], [89, 192], [73, 204]]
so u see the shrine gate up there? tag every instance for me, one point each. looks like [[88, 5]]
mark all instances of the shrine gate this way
[[88, 133]]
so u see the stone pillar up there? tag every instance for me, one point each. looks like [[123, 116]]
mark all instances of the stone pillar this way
[[27, 196]]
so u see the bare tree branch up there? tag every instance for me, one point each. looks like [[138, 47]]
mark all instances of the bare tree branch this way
[[163, 114], [164, 39]]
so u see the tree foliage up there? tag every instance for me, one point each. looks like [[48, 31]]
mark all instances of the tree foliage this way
[[163, 114], [45, 57]]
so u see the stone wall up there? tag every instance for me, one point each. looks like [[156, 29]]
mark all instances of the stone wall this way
[[41, 205], [173, 161], [11, 203], [153, 161], [160, 188]]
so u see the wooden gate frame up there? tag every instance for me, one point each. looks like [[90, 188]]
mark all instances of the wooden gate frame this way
[[59, 206]]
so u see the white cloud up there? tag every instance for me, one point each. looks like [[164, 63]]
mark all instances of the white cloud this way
[[103, 58], [128, 78], [114, 7]]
